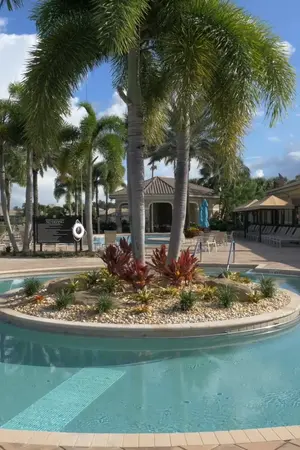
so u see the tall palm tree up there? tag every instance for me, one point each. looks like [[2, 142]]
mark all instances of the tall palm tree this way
[[98, 137], [10, 134], [191, 47], [203, 143], [65, 186], [94, 138]]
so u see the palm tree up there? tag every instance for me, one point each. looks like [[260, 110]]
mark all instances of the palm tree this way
[[159, 48], [103, 136], [203, 144], [11, 4], [64, 186], [95, 137], [9, 137], [99, 179]]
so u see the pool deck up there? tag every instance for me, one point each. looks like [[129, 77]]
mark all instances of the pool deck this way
[[256, 439], [247, 253]]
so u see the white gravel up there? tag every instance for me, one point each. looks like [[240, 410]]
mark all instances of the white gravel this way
[[161, 311]]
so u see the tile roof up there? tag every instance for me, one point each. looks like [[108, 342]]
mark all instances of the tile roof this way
[[166, 186]]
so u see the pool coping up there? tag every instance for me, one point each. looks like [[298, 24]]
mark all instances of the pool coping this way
[[151, 440]]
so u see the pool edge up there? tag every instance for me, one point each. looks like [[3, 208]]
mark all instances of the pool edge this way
[[280, 435]]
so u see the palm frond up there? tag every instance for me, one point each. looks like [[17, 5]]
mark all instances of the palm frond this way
[[11, 4], [118, 22], [62, 58]]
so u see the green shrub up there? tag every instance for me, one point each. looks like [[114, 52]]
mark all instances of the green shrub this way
[[105, 303], [64, 298], [144, 296], [31, 286], [192, 232], [73, 286], [87, 280], [207, 293], [255, 296], [187, 300], [109, 284], [267, 287], [226, 295]]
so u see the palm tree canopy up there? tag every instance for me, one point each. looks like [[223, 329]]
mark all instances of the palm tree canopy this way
[[213, 48]]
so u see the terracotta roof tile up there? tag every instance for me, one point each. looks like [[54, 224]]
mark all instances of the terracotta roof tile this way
[[166, 186]]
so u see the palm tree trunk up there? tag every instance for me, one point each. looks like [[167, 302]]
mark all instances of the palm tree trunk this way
[[89, 204], [106, 206], [4, 202], [8, 192], [187, 217], [76, 201], [35, 193], [97, 199], [135, 160], [181, 189], [29, 203]]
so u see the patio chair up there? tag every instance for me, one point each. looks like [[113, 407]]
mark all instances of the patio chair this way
[[208, 241], [221, 238]]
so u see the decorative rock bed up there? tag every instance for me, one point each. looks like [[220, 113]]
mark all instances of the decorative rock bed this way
[[161, 309]]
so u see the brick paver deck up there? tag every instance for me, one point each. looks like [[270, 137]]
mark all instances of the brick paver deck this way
[[247, 253]]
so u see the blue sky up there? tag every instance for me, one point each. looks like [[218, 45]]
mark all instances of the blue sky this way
[[267, 151]]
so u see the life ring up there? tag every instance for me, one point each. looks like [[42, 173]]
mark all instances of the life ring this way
[[78, 230]]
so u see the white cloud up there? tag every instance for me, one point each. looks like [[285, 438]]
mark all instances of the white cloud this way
[[14, 51], [288, 48], [3, 23], [273, 139], [76, 113], [259, 173], [117, 107]]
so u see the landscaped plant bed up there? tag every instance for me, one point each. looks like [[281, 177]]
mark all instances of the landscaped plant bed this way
[[128, 292]]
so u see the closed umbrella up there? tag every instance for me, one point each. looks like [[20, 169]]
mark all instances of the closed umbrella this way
[[203, 215]]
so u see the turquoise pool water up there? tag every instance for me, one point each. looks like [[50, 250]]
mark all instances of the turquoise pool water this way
[[17, 283], [76, 384], [150, 238]]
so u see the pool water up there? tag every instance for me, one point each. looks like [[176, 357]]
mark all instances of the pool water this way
[[150, 238], [18, 283], [75, 384]]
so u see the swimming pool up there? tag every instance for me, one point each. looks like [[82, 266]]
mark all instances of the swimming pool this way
[[150, 238], [77, 384], [8, 284]]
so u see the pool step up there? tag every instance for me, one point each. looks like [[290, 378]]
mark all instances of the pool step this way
[[64, 403]]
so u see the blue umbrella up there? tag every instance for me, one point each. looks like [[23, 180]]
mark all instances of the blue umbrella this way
[[203, 215]]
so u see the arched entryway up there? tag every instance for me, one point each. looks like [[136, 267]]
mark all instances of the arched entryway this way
[[160, 217]]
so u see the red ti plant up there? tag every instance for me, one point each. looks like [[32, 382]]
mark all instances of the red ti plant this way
[[159, 259], [125, 246], [137, 274], [178, 271], [115, 259]]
